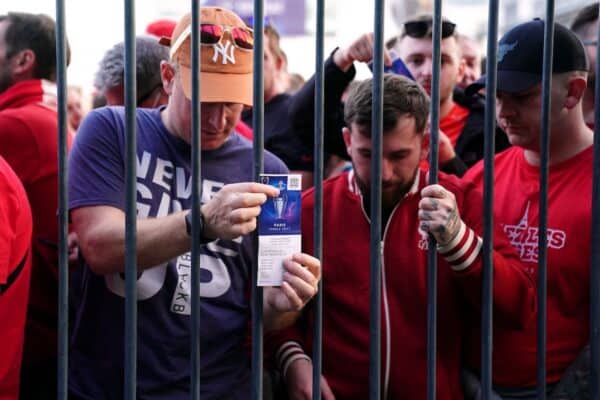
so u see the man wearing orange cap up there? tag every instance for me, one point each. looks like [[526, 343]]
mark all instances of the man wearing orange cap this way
[[230, 205]]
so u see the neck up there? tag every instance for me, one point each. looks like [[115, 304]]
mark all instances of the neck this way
[[566, 140], [446, 106]]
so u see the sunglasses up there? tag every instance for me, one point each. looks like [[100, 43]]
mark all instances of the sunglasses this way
[[243, 38], [421, 29]]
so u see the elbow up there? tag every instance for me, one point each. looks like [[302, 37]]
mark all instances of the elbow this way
[[97, 254]]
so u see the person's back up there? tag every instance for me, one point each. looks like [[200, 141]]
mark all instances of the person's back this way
[[29, 143], [15, 270], [516, 201]]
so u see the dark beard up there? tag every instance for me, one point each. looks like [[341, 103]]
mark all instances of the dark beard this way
[[388, 200]]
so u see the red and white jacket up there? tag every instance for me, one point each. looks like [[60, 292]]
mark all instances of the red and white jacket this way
[[345, 266]]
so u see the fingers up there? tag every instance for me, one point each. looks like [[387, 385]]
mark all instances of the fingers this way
[[251, 187], [436, 191], [294, 300], [303, 281], [326, 391]]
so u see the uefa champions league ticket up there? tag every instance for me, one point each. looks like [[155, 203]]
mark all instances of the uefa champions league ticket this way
[[279, 234]]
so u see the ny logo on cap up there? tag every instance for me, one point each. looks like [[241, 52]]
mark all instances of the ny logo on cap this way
[[504, 49], [226, 51]]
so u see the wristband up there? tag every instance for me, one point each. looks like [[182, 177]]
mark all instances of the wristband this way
[[188, 226]]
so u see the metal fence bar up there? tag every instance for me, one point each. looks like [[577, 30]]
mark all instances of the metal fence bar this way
[[375, 245], [63, 210], [595, 256], [258, 143], [487, 315], [433, 178], [543, 225], [318, 182], [130, 206], [196, 197]]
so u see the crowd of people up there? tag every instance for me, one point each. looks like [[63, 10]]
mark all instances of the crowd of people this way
[[415, 214]]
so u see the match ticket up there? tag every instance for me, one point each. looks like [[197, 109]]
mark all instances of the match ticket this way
[[279, 234]]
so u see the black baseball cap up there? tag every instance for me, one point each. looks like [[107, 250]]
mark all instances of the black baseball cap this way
[[521, 56]]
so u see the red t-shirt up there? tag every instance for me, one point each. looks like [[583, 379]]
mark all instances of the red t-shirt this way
[[29, 143], [454, 122], [452, 125], [15, 241], [516, 203]]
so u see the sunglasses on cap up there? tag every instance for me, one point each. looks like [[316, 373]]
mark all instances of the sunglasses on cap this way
[[243, 38], [421, 29]]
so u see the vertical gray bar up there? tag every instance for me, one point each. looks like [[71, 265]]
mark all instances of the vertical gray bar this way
[[258, 139], [318, 181], [542, 232], [63, 218], [487, 316], [376, 247], [433, 178], [595, 261], [130, 207], [196, 197]]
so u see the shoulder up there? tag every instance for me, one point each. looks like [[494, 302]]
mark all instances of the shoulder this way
[[273, 164]]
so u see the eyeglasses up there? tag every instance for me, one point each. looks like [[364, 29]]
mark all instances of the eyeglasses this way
[[590, 42], [243, 38], [421, 29]]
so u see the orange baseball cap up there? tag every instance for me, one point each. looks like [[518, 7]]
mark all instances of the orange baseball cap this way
[[226, 70]]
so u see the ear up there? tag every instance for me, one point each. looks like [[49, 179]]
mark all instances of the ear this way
[[23, 63], [576, 86], [462, 65], [167, 75], [347, 134]]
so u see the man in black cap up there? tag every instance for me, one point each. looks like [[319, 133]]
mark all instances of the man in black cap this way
[[516, 202]]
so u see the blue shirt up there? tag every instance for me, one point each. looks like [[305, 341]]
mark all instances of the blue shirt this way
[[97, 177]]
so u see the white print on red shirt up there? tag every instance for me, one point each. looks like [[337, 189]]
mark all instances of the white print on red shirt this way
[[524, 238]]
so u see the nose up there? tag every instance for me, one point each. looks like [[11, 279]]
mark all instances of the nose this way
[[215, 116], [387, 170], [504, 108]]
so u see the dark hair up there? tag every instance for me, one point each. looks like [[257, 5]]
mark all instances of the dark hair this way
[[585, 16], [37, 33], [401, 97], [149, 53]]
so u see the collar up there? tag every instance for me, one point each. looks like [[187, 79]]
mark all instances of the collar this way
[[353, 186], [29, 91]]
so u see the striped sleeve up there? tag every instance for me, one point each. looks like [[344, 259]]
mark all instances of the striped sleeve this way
[[288, 353], [463, 250]]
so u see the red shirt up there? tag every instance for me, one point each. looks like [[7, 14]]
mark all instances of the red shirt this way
[[15, 240], [516, 203], [29, 143], [454, 122]]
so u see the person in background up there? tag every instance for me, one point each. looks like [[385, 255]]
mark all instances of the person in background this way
[[74, 107], [110, 81], [471, 54], [278, 134], [29, 143], [585, 25], [15, 272]]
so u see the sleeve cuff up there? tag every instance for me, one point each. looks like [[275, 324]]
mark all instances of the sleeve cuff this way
[[463, 250], [287, 354]]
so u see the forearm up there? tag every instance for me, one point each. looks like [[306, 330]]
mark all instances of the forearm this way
[[157, 241]]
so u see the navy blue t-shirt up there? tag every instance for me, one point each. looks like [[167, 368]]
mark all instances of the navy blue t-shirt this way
[[97, 177]]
